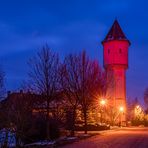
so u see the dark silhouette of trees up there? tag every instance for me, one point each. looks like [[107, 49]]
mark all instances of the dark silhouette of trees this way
[[56, 91], [70, 87], [44, 77], [16, 114], [83, 82], [90, 83], [4, 122], [20, 114]]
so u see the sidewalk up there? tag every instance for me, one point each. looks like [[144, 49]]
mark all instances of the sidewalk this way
[[68, 140]]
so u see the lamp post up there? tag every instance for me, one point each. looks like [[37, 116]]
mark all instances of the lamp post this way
[[102, 103], [121, 110]]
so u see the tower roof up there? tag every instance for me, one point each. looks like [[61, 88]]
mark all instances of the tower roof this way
[[115, 33]]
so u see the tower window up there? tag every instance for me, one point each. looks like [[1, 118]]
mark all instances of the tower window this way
[[108, 51], [120, 51]]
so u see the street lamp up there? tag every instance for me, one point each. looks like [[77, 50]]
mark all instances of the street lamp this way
[[137, 107], [138, 110], [121, 109], [102, 103]]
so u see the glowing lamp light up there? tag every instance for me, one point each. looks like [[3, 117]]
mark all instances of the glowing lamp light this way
[[121, 109], [102, 102], [138, 110]]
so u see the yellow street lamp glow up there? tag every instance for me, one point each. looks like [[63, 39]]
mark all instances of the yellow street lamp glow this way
[[138, 110], [103, 102], [121, 109]]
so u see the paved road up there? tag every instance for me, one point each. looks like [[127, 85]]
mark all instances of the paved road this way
[[124, 138]]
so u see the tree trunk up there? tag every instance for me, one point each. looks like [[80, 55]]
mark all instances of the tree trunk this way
[[73, 122], [47, 122], [17, 140], [85, 121]]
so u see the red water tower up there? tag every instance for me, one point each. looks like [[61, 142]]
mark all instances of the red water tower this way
[[115, 47]]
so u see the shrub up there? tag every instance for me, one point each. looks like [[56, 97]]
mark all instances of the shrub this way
[[91, 127]]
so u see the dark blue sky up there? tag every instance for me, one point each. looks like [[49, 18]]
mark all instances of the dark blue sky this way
[[70, 26]]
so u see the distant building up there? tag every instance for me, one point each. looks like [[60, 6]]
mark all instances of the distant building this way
[[37, 103], [115, 48]]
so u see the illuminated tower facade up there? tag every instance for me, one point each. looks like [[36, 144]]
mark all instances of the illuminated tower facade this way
[[115, 48]]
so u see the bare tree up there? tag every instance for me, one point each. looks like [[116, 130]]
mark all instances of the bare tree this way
[[91, 84], [83, 82], [69, 82], [44, 77]]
